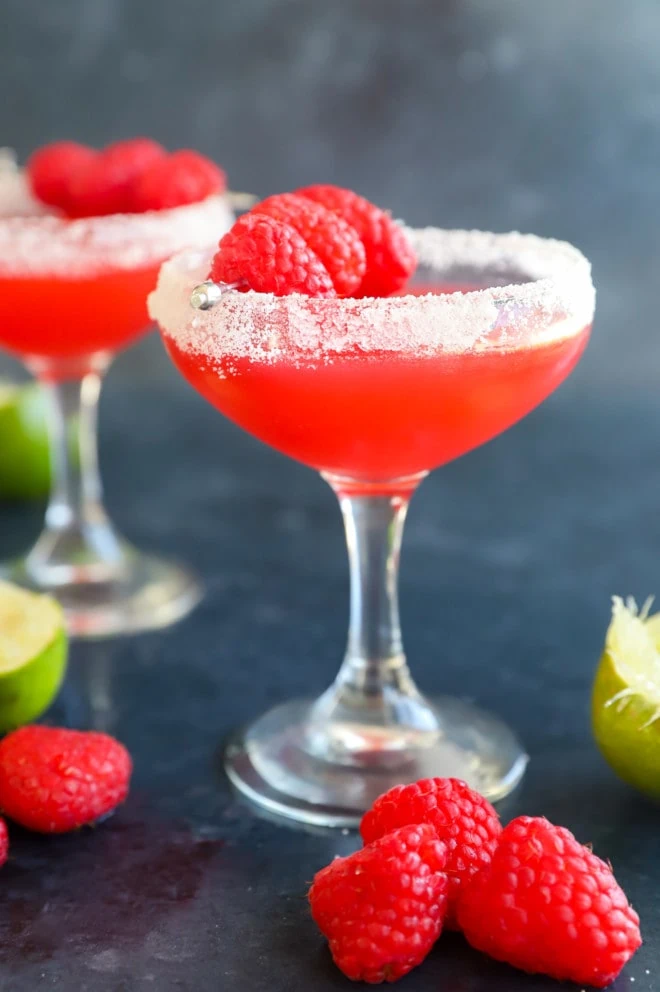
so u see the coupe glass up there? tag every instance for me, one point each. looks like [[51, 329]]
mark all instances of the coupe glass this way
[[72, 293], [374, 393]]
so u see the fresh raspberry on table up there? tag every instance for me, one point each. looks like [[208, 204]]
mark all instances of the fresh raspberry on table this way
[[50, 171], [107, 184], [547, 904], [176, 180], [54, 780], [336, 243], [462, 818], [382, 908], [391, 259], [269, 256]]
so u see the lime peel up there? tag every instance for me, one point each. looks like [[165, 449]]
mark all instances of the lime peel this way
[[33, 654], [626, 695], [25, 627], [25, 463], [24, 451], [634, 652]]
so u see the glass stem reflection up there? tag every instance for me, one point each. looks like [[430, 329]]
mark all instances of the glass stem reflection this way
[[367, 714], [374, 529], [78, 542]]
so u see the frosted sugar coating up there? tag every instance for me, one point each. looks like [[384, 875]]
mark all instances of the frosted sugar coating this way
[[16, 199], [555, 302], [33, 246]]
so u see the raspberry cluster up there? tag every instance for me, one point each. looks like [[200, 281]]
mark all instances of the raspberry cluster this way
[[435, 855], [465, 821], [125, 177], [320, 241]]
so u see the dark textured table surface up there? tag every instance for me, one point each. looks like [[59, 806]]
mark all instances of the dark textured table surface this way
[[537, 116], [510, 558]]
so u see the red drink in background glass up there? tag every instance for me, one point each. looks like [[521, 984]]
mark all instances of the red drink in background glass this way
[[72, 294]]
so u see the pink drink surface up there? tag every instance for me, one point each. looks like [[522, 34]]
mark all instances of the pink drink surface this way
[[63, 317], [374, 416]]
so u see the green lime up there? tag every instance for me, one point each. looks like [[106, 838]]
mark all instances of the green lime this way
[[33, 653], [24, 457], [625, 705]]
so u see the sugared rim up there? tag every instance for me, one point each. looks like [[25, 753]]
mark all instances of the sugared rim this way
[[34, 244], [556, 302], [16, 198]]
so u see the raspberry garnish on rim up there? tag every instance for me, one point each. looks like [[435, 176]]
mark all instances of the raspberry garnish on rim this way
[[132, 176], [270, 256], [172, 180], [297, 243], [391, 259], [50, 171], [105, 184], [337, 244]]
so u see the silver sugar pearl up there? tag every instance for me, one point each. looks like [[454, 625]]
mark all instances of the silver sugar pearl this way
[[206, 295]]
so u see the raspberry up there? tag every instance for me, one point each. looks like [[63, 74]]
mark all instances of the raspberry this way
[[266, 255], [547, 904], [54, 780], [462, 818], [106, 185], [382, 908], [50, 171], [180, 178], [391, 258], [335, 242]]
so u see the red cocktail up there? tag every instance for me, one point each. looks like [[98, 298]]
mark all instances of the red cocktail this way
[[374, 393], [70, 289], [381, 416], [72, 293]]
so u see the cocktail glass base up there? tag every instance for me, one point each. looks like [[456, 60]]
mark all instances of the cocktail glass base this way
[[137, 593], [273, 763]]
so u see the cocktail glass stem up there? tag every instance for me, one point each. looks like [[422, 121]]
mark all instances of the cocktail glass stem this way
[[325, 761], [374, 708], [104, 584], [78, 542]]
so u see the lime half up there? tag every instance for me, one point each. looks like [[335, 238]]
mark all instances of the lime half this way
[[33, 653], [24, 457], [626, 696]]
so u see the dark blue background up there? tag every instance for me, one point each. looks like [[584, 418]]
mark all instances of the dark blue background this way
[[541, 116]]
